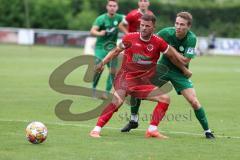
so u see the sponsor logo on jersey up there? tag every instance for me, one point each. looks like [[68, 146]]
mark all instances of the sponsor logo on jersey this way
[[141, 59], [110, 30]]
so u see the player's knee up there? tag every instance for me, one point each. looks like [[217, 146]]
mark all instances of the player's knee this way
[[194, 103], [118, 102], [165, 99]]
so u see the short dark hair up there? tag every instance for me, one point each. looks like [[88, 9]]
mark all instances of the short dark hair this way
[[187, 16], [149, 17]]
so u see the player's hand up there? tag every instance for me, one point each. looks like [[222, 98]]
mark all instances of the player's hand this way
[[99, 67], [187, 73], [102, 33]]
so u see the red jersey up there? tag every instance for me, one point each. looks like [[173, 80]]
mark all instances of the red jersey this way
[[133, 19], [139, 60], [141, 53]]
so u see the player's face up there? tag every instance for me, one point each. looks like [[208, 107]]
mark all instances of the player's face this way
[[112, 7], [143, 4], [146, 28], [181, 26]]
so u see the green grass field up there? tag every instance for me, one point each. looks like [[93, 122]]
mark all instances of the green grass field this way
[[25, 96]]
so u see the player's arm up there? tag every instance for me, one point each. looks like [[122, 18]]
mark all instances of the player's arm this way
[[123, 27], [95, 31], [174, 55], [185, 59], [178, 60], [190, 51], [112, 54]]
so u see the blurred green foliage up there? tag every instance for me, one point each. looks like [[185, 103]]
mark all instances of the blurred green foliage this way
[[220, 16]]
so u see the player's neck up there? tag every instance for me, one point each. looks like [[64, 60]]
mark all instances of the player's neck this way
[[181, 36], [145, 38], [142, 11], [110, 15]]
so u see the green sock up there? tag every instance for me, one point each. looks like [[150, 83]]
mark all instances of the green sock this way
[[96, 78], [135, 104], [110, 80], [202, 118]]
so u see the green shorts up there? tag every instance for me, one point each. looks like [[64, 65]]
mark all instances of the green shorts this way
[[178, 80], [100, 54]]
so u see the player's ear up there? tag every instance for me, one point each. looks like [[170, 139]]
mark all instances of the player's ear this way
[[107, 6], [154, 26]]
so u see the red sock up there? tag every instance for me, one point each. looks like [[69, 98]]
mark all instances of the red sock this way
[[106, 114], [158, 113]]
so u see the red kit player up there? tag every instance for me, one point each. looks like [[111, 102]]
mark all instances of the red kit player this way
[[141, 52]]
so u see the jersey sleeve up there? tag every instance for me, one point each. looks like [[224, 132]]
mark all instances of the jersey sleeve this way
[[129, 17], [163, 45], [190, 51], [126, 43]]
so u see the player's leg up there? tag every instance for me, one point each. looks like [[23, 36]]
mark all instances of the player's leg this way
[[117, 101], [190, 96], [163, 101], [160, 94], [112, 66], [159, 79], [153, 93], [184, 86], [133, 123], [96, 76]]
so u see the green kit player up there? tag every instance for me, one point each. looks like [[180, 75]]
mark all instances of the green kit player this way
[[184, 41], [106, 28]]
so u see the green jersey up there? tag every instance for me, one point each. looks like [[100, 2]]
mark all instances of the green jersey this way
[[185, 46], [110, 24]]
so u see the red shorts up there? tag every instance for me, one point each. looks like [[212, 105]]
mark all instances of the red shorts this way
[[137, 87], [140, 91]]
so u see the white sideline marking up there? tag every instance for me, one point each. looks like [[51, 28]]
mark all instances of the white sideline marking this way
[[113, 128]]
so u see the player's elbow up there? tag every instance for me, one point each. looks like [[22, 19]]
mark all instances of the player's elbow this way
[[92, 32], [123, 28], [117, 50], [170, 55]]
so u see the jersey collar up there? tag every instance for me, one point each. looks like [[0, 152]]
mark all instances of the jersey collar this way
[[142, 13], [110, 16], [182, 39], [145, 40]]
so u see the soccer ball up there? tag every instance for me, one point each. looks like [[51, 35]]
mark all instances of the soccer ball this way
[[36, 132]]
